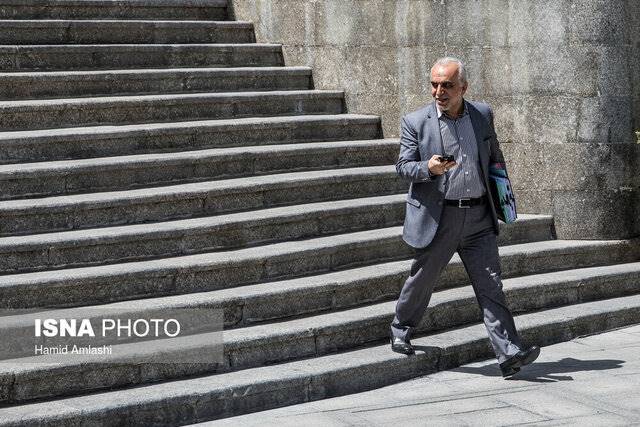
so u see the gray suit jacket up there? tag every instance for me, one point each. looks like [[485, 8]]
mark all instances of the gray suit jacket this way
[[420, 139]]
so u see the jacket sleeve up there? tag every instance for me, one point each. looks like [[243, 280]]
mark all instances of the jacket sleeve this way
[[496, 153], [409, 165]]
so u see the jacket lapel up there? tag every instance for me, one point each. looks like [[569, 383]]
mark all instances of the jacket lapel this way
[[433, 126], [479, 129]]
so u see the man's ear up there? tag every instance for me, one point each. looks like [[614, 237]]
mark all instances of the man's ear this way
[[464, 87]]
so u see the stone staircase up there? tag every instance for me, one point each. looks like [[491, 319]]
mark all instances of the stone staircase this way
[[153, 156]]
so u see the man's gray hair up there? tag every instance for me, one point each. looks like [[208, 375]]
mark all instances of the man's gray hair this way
[[462, 71]]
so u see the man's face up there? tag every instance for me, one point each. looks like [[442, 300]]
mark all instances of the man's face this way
[[446, 87]]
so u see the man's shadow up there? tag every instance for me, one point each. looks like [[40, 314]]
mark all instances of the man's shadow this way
[[544, 372]]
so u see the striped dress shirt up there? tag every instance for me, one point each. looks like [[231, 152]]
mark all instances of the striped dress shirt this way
[[459, 140]]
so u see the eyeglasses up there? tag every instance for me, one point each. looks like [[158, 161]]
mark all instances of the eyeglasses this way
[[445, 85]]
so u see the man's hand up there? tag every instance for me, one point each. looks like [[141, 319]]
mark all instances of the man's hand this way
[[436, 167]]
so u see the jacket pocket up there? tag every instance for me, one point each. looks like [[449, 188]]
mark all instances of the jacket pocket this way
[[413, 202]]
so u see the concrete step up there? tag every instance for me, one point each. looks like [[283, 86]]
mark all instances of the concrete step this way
[[51, 32], [128, 172], [183, 237], [233, 393], [61, 84], [25, 379], [277, 261], [249, 304], [102, 141], [201, 272], [110, 9], [62, 113], [317, 335], [275, 300], [193, 200], [120, 56]]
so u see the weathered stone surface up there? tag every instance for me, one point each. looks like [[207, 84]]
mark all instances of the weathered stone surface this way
[[117, 57], [554, 71], [602, 214], [34, 85], [34, 114], [245, 391], [593, 187], [195, 199], [101, 9], [101, 141], [324, 334], [25, 32], [137, 242], [577, 166], [546, 47]]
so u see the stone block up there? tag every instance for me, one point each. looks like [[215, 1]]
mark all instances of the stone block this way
[[385, 106], [269, 349], [211, 277], [463, 351], [534, 201], [338, 66], [389, 249], [537, 22], [540, 231], [606, 120], [553, 70], [348, 335], [614, 65], [564, 179], [288, 21], [413, 71], [376, 289], [576, 166], [593, 166], [525, 166], [618, 285], [288, 304], [603, 22], [379, 217], [415, 23], [304, 263], [540, 119], [447, 314], [596, 214], [349, 22], [479, 23]]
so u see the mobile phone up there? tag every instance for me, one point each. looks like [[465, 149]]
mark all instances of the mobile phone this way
[[446, 158]]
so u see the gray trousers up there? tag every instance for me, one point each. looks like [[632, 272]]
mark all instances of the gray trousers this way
[[469, 232]]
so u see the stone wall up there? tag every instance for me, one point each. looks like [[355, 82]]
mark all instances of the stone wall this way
[[561, 75]]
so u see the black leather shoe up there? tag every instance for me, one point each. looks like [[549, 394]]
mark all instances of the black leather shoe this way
[[512, 365], [401, 346]]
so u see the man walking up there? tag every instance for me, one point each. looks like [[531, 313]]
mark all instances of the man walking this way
[[449, 209]]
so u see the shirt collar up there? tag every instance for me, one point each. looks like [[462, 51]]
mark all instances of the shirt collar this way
[[465, 110]]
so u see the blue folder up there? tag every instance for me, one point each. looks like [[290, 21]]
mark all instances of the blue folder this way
[[502, 193]]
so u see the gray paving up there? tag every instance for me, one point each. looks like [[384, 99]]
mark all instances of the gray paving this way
[[593, 380]]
